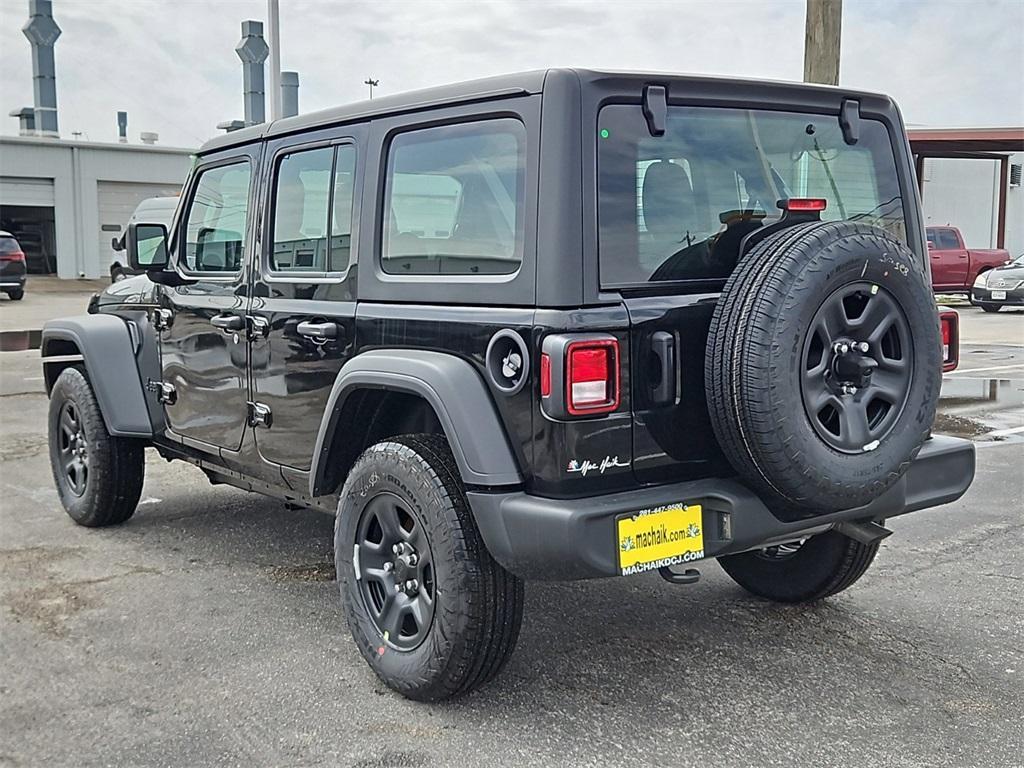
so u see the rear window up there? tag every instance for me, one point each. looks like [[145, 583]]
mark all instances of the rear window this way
[[675, 207], [9, 245]]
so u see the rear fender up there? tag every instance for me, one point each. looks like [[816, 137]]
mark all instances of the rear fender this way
[[454, 390]]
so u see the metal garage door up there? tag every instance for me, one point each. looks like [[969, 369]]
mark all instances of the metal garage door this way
[[116, 201], [16, 190]]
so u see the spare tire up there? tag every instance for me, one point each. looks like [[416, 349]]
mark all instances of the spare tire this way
[[823, 366]]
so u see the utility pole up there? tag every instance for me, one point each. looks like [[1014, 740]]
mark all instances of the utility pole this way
[[372, 83], [274, 40], [821, 41]]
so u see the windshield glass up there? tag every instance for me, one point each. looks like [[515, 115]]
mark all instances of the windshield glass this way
[[675, 207]]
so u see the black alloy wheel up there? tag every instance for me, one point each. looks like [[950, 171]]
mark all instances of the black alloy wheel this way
[[858, 367], [395, 571], [73, 447]]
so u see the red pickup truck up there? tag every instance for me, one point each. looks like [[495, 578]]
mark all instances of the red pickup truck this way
[[955, 267]]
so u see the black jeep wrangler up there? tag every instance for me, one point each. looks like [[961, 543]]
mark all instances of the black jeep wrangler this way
[[557, 325]]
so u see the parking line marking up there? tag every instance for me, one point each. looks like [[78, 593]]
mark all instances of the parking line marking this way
[[1005, 432], [990, 368]]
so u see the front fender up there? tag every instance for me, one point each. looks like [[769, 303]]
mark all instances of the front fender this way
[[108, 352], [456, 392]]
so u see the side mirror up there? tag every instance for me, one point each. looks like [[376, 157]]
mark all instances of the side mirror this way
[[931, 245], [147, 246]]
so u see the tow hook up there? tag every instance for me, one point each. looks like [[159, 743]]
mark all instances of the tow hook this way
[[866, 532], [689, 576]]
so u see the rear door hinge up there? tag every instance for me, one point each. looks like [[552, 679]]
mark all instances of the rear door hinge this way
[[165, 391], [259, 415], [162, 319]]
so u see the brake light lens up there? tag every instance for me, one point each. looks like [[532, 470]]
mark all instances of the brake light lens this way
[[804, 204], [545, 375], [592, 377], [13, 256], [949, 322]]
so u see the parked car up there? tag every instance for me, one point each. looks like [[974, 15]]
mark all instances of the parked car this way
[[955, 267], [153, 209], [1000, 287], [556, 325], [12, 267]]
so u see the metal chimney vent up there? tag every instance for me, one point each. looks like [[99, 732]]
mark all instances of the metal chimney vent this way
[[252, 50], [289, 94], [42, 32]]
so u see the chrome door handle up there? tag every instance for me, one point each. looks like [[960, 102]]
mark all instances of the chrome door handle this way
[[317, 331], [228, 323]]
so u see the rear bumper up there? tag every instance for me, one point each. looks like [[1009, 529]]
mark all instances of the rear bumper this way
[[8, 281], [539, 538]]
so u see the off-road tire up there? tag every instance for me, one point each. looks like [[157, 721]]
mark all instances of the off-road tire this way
[[116, 465], [478, 605], [16, 294], [822, 566], [987, 307], [754, 366]]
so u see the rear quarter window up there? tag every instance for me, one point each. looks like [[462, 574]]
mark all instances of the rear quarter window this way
[[454, 200]]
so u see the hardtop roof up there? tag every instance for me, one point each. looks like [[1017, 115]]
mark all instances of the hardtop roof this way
[[522, 83]]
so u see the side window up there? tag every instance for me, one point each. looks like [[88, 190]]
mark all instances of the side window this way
[[948, 240], [216, 220], [454, 200], [312, 233]]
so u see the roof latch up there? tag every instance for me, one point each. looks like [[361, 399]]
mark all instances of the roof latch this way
[[849, 120], [656, 108]]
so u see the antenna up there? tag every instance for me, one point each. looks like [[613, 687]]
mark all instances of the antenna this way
[[372, 83]]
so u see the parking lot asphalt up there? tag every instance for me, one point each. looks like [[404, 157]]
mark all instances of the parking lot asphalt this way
[[206, 631]]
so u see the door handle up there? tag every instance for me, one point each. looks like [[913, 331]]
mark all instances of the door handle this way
[[317, 331], [228, 323], [663, 348]]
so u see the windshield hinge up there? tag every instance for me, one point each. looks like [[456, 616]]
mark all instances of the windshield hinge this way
[[849, 120], [656, 108]]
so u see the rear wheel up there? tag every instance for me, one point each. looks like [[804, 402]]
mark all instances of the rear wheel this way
[[98, 476], [16, 294], [432, 613], [801, 571], [991, 307]]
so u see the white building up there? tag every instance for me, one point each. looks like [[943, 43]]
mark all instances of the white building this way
[[66, 200]]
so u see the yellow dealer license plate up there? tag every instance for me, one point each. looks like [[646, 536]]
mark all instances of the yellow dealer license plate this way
[[653, 538]]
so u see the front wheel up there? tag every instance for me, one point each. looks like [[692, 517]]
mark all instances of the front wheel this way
[[98, 476], [801, 571], [991, 307], [430, 610]]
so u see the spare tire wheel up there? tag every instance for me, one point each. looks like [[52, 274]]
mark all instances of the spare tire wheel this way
[[823, 366]]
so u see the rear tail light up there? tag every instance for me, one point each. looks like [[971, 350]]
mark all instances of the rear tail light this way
[[579, 374], [592, 377], [949, 321], [13, 256]]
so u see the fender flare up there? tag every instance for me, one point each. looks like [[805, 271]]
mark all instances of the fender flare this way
[[451, 386], [108, 351]]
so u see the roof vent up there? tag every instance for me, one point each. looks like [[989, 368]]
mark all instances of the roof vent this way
[[149, 137]]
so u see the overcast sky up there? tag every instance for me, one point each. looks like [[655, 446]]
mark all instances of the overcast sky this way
[[172, 65]]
